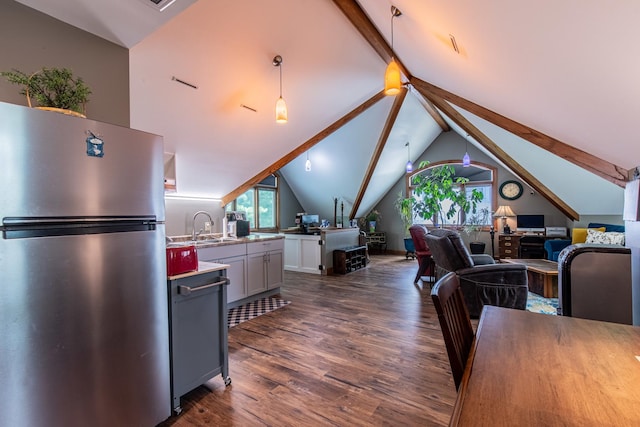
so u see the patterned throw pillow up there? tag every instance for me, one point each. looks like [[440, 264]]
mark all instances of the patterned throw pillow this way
[[579, 235], [609, 238]]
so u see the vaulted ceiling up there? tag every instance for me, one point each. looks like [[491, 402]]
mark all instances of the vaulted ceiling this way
[[528, 79]]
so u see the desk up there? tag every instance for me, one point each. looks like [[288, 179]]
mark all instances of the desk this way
[[542, 275], [529, 369]]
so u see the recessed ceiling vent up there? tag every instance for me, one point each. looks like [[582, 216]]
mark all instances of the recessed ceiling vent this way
[[159, 5]]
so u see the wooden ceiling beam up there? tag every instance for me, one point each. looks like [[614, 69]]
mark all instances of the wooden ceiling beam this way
[[593, 164], [276, 166], [500, 154], [382, 141], [430, 108]]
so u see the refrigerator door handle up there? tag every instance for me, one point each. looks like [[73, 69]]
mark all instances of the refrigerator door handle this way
[[187, 290]]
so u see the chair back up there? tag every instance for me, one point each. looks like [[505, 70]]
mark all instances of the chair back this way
[[455, 323], [448, 250], [418, 235]]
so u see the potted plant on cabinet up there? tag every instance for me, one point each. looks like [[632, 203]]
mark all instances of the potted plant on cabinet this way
[[371, 220], [431, 190], [473, 227], [54, 89]]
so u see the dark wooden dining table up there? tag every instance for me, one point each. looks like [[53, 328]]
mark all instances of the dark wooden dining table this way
[[531, 369]]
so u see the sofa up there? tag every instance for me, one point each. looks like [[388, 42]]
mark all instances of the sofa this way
[[553, 247], [483, 282]]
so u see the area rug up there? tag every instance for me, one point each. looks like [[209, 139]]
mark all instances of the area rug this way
[[538, 304], [254, 309]]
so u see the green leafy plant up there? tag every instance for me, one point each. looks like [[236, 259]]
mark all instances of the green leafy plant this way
[[373, 215], [52, 87], [431, 189], [474, 223]]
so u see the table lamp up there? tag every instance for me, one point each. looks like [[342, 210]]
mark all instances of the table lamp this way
[[503, 212]]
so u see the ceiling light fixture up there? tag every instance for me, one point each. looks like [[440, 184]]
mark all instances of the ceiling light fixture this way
[[281, 106], [409, 167], [466, 160], [392, 81], [307, 164]]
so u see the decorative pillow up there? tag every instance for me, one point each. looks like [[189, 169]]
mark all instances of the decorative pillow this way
[[579, 235], [609, 238]]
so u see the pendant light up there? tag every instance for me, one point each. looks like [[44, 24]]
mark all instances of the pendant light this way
[[392, 78], [307, 164], [281, 106], [466, 160], [409, 167]]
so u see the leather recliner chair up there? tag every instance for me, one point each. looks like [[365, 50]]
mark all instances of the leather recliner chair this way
[[482, 280], [423, 254]]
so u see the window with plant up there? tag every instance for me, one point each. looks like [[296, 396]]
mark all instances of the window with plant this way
[[441, 195]]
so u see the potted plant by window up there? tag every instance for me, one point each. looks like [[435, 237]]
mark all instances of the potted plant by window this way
[[404, 208], [54, 89], [431, 190], [473, 227]]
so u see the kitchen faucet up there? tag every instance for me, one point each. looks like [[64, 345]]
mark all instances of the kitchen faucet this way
[[194, 235]]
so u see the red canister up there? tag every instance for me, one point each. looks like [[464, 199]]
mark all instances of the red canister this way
[[181, 259]]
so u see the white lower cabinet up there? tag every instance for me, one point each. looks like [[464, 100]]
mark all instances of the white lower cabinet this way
[[237, 275], [303, 253], [265, 265], [236, 257], [254, 267]]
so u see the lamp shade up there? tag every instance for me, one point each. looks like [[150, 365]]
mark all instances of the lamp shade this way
[[307, 165], [466, 160], [504, 211], [392, 80], [409, 167], [281, 111]]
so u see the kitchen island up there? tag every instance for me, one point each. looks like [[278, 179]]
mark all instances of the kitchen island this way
[[313, 253], [197, 328]]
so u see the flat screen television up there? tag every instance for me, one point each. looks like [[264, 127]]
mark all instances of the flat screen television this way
[[530, 223]]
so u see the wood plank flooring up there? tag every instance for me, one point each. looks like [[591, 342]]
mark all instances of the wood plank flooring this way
[[363, 349]]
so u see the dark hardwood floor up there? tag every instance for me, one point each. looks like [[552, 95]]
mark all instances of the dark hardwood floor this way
[[355, 350]]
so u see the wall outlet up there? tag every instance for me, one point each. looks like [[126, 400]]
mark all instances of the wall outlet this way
[[207, 227]]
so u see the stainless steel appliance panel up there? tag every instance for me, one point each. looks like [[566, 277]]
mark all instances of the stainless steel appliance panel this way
[[84, 330], [46, 170]]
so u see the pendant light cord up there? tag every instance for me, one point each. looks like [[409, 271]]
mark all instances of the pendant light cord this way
[[280, 66]]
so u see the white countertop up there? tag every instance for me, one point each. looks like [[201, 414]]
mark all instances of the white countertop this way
[[203, 267]]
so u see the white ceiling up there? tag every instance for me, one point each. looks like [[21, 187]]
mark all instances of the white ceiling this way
[[565, 68]]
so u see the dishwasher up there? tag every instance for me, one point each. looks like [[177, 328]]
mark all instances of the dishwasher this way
[[197, 331]]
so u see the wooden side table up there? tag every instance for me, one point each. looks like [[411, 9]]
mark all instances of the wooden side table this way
[[508, 246]]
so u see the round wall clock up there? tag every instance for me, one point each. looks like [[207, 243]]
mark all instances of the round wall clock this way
[[510, 190]]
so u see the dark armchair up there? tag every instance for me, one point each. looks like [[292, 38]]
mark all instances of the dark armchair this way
[[482, 280], [423, 254]]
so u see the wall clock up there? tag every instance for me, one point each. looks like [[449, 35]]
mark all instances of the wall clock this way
[[510, 190]]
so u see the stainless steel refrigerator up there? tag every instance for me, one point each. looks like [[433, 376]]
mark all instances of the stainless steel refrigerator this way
[[83, 296]]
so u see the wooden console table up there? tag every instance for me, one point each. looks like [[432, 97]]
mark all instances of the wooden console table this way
[[542, 275]]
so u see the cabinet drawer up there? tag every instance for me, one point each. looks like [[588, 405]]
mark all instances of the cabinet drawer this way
[[264, 246], [214, 253]]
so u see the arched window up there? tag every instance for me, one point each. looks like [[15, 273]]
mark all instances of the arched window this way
[[481, 177]]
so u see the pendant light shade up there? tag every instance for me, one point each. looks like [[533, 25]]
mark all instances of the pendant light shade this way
[[466, 160], [392, 77], [307, 164], [281, 111], [281, 106], [392, 81], [409, 166]]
